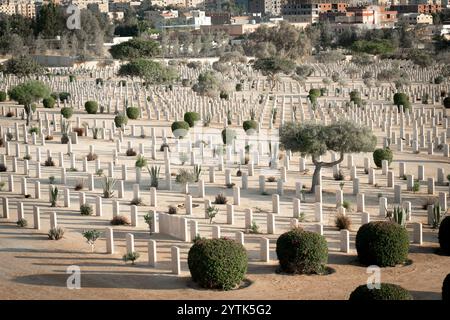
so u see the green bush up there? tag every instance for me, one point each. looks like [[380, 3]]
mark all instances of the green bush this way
[[382, 154], [238, 86], [49, 102], [355, 96], [72, 78], [250, 124], [382, 243], [63, 96], [133, 113], [447, 103], [387, 291], [120, 120], [228, 135], [180, 128], [191, 118], [444, 235], [91, 107], [99, 81], [401, 99], [67, 112], [301, 251], [314, 92], [217, 263], [224, 95], [3, 96], [446, 289], [439, 79]]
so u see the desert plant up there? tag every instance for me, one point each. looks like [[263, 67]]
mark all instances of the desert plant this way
[[131, 152], [197, 172], [180, 129], [397, 215], [27, 157], [91, 156], [22, 222], [137, 202], [49, 162], [154, 175], [56, 233], [48, 137], [444, 235], [220, 199], [2, 185], [78, 131], [131, 256], [191, 118], [34, 130], [54, 195], [339, 175], [446, 289], [91, 236], [342, 222], [212, 211], [387, 291], [79, 185], [163, 146], [149, 220], [140, 161], [120, 121], [86, 210], [207, 120], [303, 252], [67, 112], [416, 186], [437, 216], [132, 113], [271, 179], [382, 243], [99, 172], [217, 263], [64, 132], [382, 154], [91, 107], [51, 179], [108, 187], [250, 126], [347, 205], [120, 220], [254, 228], [252, 114], [95, 132], [184, 177], [3, 168], [428, 201], [9, 136], [172, 210]]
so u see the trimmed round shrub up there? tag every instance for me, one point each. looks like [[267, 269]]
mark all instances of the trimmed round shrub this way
[[180, 128], [55, 95], [446, 288], [439, 79], [447, 103], [314, 92], [120, 120], [223, 95], [387, 291], [63, 96], [191, 118], [382, 243], [3, 96], [382, 154], [91, 107], [133, 113], [238, 86], [228, 135], [300, 251], [49, 102], [217, 263], [401, 99], [67, 112], [250, 124], [444, 235], [99, 81]]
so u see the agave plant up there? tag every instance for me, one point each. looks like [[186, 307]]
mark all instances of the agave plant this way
[[197, 172], [154, 176], [91, 236], [95, 132], [149, 220], [398, 215], [64, 132], [54, 195], [108, 187], [437, 216]]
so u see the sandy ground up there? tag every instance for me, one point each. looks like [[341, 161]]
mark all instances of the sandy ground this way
[[32, 267]]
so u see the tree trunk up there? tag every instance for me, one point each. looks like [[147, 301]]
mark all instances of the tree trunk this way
[[319, 165], [28, 112]]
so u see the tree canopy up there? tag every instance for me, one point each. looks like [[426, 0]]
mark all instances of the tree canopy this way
[[23, 66], [151, 72], [273, 66], [135, 48], [316, 140]]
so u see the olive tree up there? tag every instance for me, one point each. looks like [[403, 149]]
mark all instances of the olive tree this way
[[272, 67], [28, 93], [316, 140]]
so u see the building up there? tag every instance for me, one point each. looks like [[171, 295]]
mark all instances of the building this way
[[312, 7], [267, 7], [415, 18], [26, 8], [417, 8], [172, 3], [162, 18]]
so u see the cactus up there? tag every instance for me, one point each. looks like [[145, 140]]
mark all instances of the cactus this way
[[197, 172], [398, 215], [108, 187], [154, 175], [437, 216], [53, 195]]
